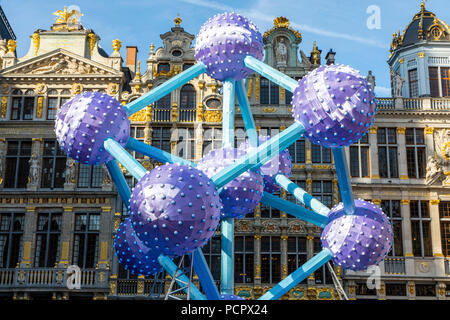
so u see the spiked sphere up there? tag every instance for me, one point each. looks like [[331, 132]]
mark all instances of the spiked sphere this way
[[335, 104], [224, 41], [86, 121], [360, 240], [241, 195], [229, 296], [279, 164], [175, 209], [132, 252]]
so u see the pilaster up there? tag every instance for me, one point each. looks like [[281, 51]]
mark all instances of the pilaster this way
[[402, 163], [373, 150]]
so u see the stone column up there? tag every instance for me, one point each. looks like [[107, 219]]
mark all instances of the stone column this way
[[436, 241], [284, 260], [429, 142], [257, 259], [66, 236], [3, 149], [28, 237], [34, 178], [402, 163], [310, 250], [373, 153], [406, 237], [411, 290]]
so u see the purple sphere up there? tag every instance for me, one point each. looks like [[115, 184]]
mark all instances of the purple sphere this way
[[224, 41], [336, 105], [279, 164], [228, 296], [132, 252], [360, 240], [86, 121], [241, 195], [175, 209]]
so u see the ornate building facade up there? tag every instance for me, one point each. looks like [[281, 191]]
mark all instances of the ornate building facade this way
[[55, 213]]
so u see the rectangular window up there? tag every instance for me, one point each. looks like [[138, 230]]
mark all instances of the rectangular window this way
[[297, 253], [425, 290], [138, 133], [90, 176], [395, 289], [413, 83], [323, 191], [359, 158], [288, 96], [444, 213], [52, 107], [85, 247], [270, 260], [269, 92], [212, 139], [48, 234], [445, 81], [434, 81], [240, 136], [53, 165], [415, 153], [212, 252], [17, 166], [387, 152], [322, 275], [22, 108], [420, 228], [161, 138], [243, 259], [392, 209], [186, 143], [11, 239], [269, 211], [320, 154], [297, 151]]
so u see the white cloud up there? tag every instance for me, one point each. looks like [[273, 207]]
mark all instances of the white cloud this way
[[257, 14]]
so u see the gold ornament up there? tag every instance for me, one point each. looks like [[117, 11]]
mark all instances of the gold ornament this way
[[12, 45], [116, 44], [40, 106], [92, 40], [36, 41], [4, 102], [77, 88]]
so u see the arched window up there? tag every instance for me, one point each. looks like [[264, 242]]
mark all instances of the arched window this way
[[187, 97], [164, 102]]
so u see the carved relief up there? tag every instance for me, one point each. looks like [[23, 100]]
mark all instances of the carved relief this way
[[4, 104], [77, 88], [213, 116], [35, 169], [40, 106], [112, 88], [438, 167], [296, 227]]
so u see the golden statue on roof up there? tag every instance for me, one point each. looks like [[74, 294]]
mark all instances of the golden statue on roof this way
[[65, 16]]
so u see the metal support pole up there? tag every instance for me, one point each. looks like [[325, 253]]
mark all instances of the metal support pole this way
[[205, 276], [246, 112], [121, 155], [119, 181]]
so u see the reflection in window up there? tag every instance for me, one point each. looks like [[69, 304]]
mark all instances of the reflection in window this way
[[243, 259], [48, 233], [85, 247]]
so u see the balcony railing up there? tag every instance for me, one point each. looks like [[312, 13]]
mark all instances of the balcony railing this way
[[130, 287], [50, 278], [161, 115], [426, 103], [394, 266], [187, 115]]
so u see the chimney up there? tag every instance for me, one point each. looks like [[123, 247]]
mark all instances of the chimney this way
[[131, 58]]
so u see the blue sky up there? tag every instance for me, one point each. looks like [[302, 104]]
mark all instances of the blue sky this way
[[338, 24]]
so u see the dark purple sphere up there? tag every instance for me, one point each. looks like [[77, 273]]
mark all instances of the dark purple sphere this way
[[228, 296], [86, 121], [132, 252], [224, 41], [336, 105], [279, 164], [360, 240], [175, 209], [241, 195]]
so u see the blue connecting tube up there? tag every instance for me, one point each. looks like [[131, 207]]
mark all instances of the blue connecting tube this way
[[161, 91], [301, 195], [298, 275], [294, 210], [259, 156], [121, 155], [119, 181], [345, 186], [205, 276], [270, 73], [171, 268], [155, 153], [246, 112]]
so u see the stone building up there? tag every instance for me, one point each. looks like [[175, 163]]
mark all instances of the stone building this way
[[65, 214], [54, 212]]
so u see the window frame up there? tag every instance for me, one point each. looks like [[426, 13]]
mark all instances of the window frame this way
[[359, 147], [48, 233], [10, 240], [415, 147], [421, 219], [271, 253], [86, 233], [247, 254], [388, 146], [57, 155], [18, 168]]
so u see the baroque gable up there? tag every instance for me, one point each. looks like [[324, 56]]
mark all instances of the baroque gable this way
[[59, 62]]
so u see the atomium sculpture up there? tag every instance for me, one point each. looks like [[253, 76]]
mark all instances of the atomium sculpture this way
[[176, 208]]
